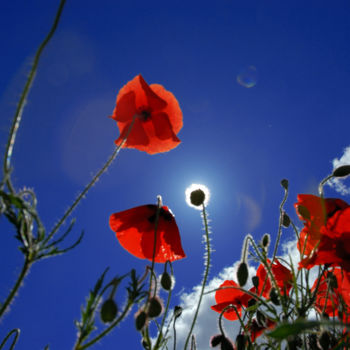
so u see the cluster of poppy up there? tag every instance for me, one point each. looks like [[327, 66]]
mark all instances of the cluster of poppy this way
[[230, 293]]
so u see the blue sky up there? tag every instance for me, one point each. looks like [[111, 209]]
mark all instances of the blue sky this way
[[238, 141]]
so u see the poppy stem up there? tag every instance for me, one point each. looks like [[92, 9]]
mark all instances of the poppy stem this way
[[206, 272], [92, 182], [23, 100], [14, 331], [322, 183]]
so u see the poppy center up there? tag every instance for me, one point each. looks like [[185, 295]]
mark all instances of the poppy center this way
[[145, 114]]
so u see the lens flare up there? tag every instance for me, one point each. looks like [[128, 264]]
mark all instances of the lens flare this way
[[248, 77]]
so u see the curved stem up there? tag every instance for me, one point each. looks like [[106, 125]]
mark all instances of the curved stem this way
[[22, 101], [89, 185], [15, 288], [206, 273], [15, 330], [106, 331], [279, 225]]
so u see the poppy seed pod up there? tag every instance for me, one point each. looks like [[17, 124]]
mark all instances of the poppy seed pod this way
[[109, 311], [155, 307], [197, 197], [242, 273], [255, 281]]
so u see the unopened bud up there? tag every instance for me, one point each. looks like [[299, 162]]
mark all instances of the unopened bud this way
[[260, 318], [215, 340], [226, 344], [197, 197], [155, 307], [342, 171], [274, 296], [285, 220], [324, 340], [284, 184], [109, 311], [140, 320], [255, 281], [266, 240], [177, 311], [166, 281], [240, 341], [242, 273]]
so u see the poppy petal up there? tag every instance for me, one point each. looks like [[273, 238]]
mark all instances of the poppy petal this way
[[137, 137], [135, 228], [125, 108]]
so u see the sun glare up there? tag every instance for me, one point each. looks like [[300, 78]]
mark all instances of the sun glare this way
[[196, 195]]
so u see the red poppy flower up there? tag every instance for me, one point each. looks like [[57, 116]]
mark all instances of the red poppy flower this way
[[158, 117], [135, 228], [315, 212], [257, 330], [282, 275], [327, 230], [327, 298], [229, 294]]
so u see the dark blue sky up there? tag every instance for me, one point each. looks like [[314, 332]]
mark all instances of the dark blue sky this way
[[238, 141]]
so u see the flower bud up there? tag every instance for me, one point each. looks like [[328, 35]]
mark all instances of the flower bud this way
[[324, 340], [285, 220], [240, 341], [140, 320], [226, 344], [342, 171], [260, 318], [215, 340], [284, 184], [274, 297], [242, 273], [166, 281], [266, 240], [197, 197], [177, 311], [155, 307], [109, 311], [255, 281]]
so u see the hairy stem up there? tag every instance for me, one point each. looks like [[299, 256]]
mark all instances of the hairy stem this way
[[23, 99], [206, 273], [12, 294]]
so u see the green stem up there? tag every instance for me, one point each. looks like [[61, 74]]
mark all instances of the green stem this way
[[23, 99], [15, 330], [106, 331], [206, 273], [92, 182], [6, 304]]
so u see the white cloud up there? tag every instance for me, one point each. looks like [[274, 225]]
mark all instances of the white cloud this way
[[207, 320], [337, 183]]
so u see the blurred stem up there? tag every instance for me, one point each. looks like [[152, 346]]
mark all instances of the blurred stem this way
[[17, 331], [322, 183], [280, 225], [92, 182], [77, 346], [206, 273], [6, 304], [23, 99], [160, 336]]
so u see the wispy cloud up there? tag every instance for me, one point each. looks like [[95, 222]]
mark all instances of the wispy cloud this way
[[338, 184]]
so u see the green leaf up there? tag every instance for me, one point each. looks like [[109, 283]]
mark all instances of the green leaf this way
[[287, 329]]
